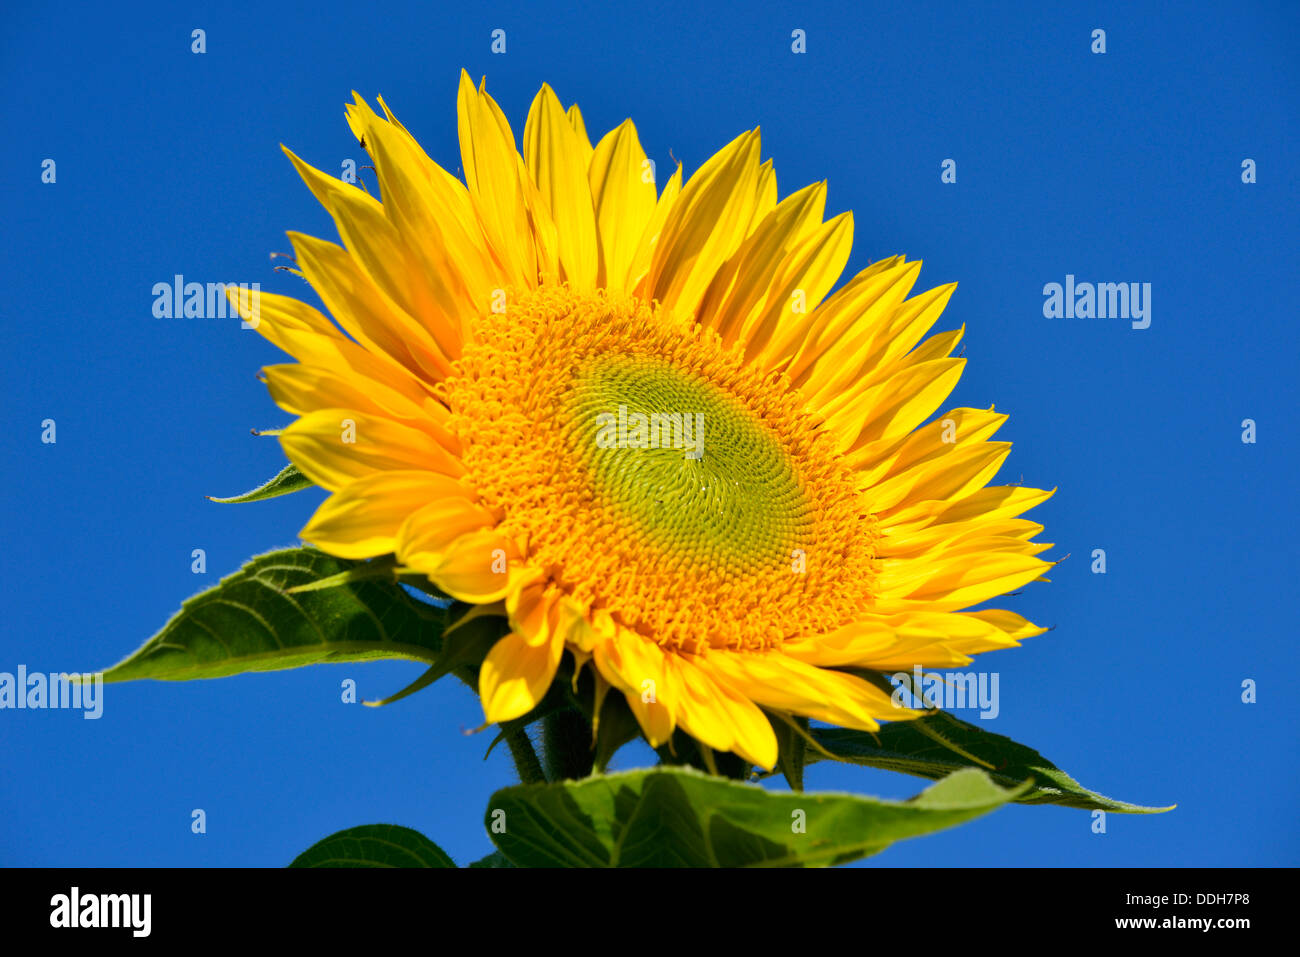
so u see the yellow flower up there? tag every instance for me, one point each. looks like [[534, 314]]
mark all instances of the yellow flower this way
[[633, 423]]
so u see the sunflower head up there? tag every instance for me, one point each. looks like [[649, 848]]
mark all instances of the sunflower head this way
[[636, 424]]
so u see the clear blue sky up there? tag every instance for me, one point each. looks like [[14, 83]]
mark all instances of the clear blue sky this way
[[1122, 167]]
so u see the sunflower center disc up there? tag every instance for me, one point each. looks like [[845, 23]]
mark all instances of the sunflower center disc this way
[[653, 473], [685, 462]]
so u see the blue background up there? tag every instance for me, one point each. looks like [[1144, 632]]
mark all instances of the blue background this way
[[1117, 167]]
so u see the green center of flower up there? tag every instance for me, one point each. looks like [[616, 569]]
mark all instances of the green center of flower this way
[[688, 464]]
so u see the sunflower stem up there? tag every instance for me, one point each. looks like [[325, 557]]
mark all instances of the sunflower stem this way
[[527, 766], [566, 745]]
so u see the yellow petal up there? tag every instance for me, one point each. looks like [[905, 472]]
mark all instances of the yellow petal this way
[[637, 667], [302, 389], [362, 519], [433, 211], [955, 428], [712, 711], [964, 469], [638, 274], [787, 684], [557, 162], [624, 192], [764, 196], [899, 404], [541, 225], [706, 225], [311, 338], [283, 321], [515, 676], [954, 584], [382, 251], [530, 610], [801, 280], [1015, 626], [742, 282], [844, 403], [574, 116], [847, 328], [997, 501], [934, 538], [887, 643], [492, 174], [481, 566], [428, 535], [335, 447]]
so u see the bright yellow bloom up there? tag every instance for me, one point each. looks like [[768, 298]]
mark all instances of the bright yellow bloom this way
[[628, 421]]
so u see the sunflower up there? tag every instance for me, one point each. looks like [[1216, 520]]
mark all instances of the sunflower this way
[[635, 423]]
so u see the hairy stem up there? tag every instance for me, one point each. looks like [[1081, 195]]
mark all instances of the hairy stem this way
[[521, 749], [566, 745]]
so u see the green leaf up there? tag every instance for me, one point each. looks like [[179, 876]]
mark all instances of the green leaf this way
[[374, 845], [288, 480], [249, 622], [939, 744], [464, 645], [675, 817]]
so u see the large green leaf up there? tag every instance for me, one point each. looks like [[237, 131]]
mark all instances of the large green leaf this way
[[250, 622], [287, 480], [939, 744], [374, 845], [680, 817]]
